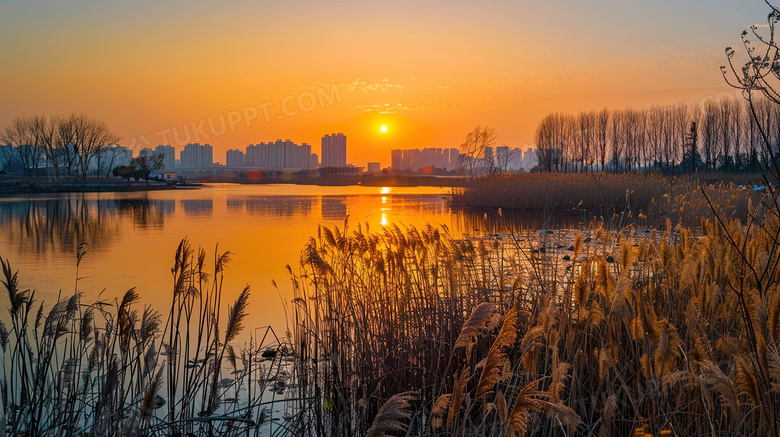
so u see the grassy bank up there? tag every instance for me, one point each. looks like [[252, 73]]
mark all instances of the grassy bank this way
[[646, 199]]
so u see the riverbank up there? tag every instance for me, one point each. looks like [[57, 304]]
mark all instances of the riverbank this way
[[77, 185], [336, 181]]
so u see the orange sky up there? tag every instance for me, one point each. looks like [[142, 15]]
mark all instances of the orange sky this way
[[429, 70]]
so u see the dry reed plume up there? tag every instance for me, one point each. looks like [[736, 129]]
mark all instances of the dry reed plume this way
[[412, 332], [112, 368]]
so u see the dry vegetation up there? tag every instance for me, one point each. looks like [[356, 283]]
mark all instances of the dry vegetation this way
[[111, 368], [411, 332], [645, 199]]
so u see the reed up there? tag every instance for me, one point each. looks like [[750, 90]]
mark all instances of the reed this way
[[643, 199], [413, 332], [113, 368]]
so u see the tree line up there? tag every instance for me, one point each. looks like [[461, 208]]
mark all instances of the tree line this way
[[65, 145], [717, 135]]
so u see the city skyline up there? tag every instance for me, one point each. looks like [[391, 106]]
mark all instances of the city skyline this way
[[250, 155]]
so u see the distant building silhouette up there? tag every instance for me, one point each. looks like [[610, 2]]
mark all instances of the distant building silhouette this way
[[197, 155], [415, 159], [234, 157], [334, 150], [280, 155], [169, 155], [396, 159], [373, 167]]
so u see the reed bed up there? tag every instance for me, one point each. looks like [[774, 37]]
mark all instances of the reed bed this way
[[412, 332], [639, 198], [114, 368]]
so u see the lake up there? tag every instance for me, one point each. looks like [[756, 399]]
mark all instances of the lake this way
[[132, 237]]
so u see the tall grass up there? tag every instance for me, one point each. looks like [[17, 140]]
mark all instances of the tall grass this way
[[112, 368], [643, 199], [412, 332]]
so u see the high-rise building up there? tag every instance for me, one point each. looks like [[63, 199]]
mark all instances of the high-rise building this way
[[121, 155], [413, 160], [489, 154], [169, 155], [197, 155], [280, 155], [530, 159], [416, 159], [334, 150], [516, 160], [396, 159], [146, 151], [503, 157], [454, 162], [234, 158]]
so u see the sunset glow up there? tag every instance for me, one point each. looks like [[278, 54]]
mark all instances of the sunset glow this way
[[164, 73]]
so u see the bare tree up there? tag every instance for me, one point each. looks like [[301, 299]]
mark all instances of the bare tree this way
[[21, 136], [601, 133], [654, 134], [107, 159], [759, 76], [502, 160], [65, 136], [7, 156], [738, 130], [680, 123], [544, 145], [586, 138], [617, 139], [710, 134], [90, 137], [42, 132], [726, 111], [472, 151]]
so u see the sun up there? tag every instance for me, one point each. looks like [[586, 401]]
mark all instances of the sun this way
[[383, 128]]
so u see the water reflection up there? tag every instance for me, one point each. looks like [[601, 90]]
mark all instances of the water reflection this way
[[57, 224], [334, 207], [197, 207], [54, 225], [275, 206], [416, 205], [145, 213]]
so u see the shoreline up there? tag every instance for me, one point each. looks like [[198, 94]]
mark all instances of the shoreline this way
[[33, 187], [43, 185], [369, 181]]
